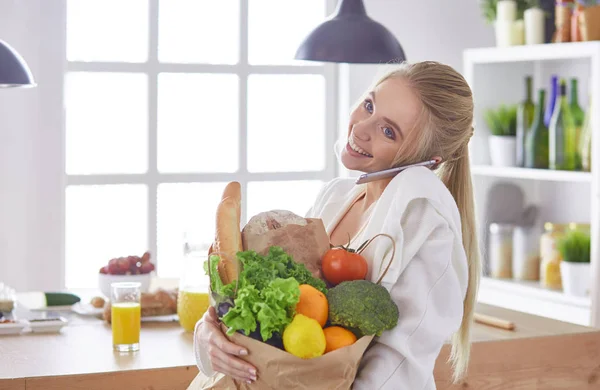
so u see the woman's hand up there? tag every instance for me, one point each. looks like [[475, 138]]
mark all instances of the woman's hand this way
[[221, 351]]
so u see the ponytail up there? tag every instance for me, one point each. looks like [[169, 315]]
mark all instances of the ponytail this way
[[456, 175]]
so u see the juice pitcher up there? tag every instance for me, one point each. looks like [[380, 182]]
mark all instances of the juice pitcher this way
[[193, 300]]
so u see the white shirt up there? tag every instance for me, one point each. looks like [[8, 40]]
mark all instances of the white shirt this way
[[427, 278]]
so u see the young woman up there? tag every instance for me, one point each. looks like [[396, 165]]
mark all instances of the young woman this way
[[416, 112]]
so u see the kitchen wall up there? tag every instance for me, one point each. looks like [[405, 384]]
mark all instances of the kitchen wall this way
[[31, 162]]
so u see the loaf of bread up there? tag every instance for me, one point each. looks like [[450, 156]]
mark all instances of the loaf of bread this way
[[158, 303], [228, 236], [266, 221]]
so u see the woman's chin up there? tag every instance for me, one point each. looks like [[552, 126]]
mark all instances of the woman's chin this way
[[351, 163]]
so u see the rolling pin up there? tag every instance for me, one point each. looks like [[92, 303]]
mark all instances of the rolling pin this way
[[493, 321]]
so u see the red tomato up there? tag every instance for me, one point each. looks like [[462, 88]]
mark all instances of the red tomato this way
[[340, 265]]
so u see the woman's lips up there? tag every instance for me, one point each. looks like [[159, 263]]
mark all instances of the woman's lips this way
[[353, 153]]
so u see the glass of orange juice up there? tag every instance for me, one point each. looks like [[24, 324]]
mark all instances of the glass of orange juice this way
[[193, 300], [126, 316]]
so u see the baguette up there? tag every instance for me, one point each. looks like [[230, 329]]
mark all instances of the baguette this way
[[228, 236]]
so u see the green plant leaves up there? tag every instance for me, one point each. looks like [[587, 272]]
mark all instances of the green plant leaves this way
[[502, 120]]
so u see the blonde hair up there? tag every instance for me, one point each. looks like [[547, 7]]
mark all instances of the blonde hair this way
[[444, 129]]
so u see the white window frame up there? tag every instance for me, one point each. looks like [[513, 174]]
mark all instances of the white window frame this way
[[152, 68]]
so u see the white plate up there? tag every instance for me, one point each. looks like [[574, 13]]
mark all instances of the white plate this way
[[13, 328], [86, 309], [47, 326]]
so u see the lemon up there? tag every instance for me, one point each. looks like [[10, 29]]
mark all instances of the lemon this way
[[304, 337]]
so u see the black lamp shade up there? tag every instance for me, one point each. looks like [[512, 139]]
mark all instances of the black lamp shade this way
[[14, 72], [351, 36]]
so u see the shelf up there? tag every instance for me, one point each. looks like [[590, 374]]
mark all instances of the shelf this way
[[532, 298], [531, 174], [548, 51]]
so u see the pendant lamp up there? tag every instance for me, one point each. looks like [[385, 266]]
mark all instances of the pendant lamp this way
[[14, 71], [351, 36]]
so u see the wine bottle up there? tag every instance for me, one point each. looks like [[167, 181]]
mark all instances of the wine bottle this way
[[578, 119], [536, 141], [525, 112], [551, 100], [585, 140], [563, 146]]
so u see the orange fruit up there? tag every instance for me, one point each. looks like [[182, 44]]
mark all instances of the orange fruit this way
[[313, 304], [337, 337]]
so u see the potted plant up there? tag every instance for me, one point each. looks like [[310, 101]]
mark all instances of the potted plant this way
[[574, 249], [502, 123]]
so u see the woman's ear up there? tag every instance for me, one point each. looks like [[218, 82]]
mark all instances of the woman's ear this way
[[438, 161]]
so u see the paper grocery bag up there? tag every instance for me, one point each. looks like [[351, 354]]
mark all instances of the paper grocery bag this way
[[306, 244], [277, 369]]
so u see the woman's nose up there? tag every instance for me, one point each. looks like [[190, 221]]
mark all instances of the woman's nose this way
[[362, 130]]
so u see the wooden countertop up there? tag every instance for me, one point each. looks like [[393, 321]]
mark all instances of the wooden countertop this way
[[81, 356]]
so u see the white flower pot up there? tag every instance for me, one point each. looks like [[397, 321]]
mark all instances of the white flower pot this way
[[503, 150], [576, 278]]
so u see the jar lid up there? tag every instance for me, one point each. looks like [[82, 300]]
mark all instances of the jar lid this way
[[501, 227], [579, 226], [551, 226]]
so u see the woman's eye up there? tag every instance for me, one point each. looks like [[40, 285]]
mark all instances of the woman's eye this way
[[368, 106], [388, 132]]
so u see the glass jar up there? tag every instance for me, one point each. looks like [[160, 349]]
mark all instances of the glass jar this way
[[550, 257], [501, 249], [526, 253], [193, 298]]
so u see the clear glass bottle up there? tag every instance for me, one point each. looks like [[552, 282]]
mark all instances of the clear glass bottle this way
[[550, 257], [501, 250]]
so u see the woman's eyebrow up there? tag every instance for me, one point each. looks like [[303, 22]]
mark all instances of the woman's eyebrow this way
[[391, 122]]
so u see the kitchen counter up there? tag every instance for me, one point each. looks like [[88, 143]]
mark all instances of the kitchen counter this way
[[81, 357]]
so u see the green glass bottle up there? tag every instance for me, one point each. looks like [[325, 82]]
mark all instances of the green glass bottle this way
[[563, 135], [578, 121], [525, 112], [536, 140]]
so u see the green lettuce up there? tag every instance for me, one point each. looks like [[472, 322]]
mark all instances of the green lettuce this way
[[267, 292], [272, 307]]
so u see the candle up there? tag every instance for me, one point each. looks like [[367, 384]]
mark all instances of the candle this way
[[506, 10], [534, 26]]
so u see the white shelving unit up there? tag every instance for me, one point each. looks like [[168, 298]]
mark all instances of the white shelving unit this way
[[496, 76]]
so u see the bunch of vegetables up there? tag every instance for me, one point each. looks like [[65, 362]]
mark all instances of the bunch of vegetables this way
[[278, 301]]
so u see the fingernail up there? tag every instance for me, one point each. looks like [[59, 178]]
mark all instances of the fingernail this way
[[243, 352], [249, 382], [252, 371]]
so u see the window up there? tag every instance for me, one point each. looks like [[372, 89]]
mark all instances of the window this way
[[166, 101]]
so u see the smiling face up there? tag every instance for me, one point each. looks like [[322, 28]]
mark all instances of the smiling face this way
[[380, 125]]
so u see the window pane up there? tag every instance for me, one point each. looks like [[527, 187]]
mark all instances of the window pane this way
[[295, 196], [276, 28], [107, 30], [197, 122], [199, 31], [103, 222], [106, 123], [286, 123], [184, 208]]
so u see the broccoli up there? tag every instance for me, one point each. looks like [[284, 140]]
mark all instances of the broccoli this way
[[363, 307]]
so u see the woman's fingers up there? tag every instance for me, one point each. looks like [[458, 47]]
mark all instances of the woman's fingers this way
[[212, 314], [218, 339], [231, 361], [231, 366]]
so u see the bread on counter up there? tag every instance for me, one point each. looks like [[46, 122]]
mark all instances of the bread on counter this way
[[158, 303]]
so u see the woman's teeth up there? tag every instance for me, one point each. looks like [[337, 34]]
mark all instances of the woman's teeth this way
[[357, 149]]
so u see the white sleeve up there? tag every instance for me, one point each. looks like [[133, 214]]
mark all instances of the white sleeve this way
[[202, 358], [429, 294]]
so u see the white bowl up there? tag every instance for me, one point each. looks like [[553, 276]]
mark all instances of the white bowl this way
[[105, 280]]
